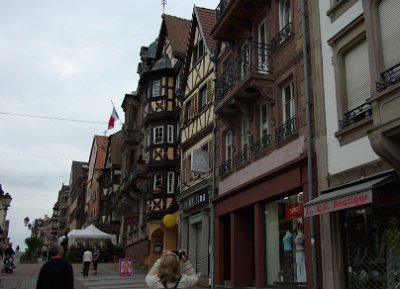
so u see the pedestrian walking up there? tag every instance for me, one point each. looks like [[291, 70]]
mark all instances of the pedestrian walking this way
[[56, 273], [96, 258], [165, 273], [87, 260]]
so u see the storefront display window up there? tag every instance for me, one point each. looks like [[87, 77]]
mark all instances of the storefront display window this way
[[285, 255], [372, 237]]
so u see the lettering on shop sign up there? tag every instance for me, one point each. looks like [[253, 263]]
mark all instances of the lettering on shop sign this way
[[341, 203], [196, 200], [294, 211]]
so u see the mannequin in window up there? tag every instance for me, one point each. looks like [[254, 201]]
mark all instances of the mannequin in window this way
[[390, 247], [287, 241], [300, 256]]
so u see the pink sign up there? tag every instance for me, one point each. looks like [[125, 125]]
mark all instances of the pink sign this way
[[125, 267], [337, 204]]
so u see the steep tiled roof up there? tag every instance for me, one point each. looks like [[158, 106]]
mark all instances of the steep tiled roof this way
[[207, 20], [102, 141], [177, 31]]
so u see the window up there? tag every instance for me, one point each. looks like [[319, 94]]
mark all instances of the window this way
[[389, 23], [147, 138], [170, 182], [263, 120], [189, 111], [288, 104], [228, 146], [244, 59], [198, 51], [157, 182], [170, 133], [245, 133], [262, 47], [285, 16], [356, 69], [158, 134], [156, 91], [203, 98], [284, 238]]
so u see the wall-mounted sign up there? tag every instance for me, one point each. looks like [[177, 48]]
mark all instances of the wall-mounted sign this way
[[294, 211], [340, 203], [125, 267], [199, 161]]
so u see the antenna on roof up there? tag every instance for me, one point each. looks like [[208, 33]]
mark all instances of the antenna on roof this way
[[163, 2]]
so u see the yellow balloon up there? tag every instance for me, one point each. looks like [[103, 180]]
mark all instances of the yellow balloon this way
[[169, 221]]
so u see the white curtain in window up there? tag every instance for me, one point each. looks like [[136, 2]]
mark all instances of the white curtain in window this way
[[357, 75], [389, 20]]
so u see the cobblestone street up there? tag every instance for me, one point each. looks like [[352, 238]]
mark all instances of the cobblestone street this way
[[25, 276]]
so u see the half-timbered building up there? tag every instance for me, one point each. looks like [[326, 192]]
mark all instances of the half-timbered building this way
[[196, 142], [157, 90]]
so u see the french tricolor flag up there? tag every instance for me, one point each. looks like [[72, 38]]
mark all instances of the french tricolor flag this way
[[114, 116]]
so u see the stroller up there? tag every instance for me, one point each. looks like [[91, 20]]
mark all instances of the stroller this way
[[9, 265]]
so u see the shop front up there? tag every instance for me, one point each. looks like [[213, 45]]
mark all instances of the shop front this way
[[361, 232], [195, 228], [261, 237]]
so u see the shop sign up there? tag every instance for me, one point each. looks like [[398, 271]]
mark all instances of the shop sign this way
[[294, 211], [340, 203]]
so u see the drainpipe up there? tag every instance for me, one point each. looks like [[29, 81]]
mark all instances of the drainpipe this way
[[309, 143]]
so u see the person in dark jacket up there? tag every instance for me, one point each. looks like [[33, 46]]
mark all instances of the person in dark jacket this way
[[56, 273]]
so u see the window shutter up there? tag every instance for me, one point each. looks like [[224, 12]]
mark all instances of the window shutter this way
[[389, 11], [184, 164], [195, 103], [209, 91], [357, 76], [210, 155], [182, 116]]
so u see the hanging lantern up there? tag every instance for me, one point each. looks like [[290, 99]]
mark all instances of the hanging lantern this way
[[169, 221]]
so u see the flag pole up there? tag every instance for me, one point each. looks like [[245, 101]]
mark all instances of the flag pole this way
[[116, 110]]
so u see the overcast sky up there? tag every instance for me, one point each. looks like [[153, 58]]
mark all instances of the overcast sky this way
[[65, 60]]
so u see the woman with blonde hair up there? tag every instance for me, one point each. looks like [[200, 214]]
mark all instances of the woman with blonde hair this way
[[165, 273]]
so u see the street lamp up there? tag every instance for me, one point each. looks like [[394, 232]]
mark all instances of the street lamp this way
[[6, 201]]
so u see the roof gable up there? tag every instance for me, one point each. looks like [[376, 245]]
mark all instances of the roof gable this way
[[176, 30]]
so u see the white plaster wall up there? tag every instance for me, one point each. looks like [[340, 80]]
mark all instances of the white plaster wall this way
[[359, 152]]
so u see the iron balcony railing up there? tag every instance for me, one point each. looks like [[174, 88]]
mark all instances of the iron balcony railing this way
[[243, 156], [356, 115], [286, 130], [261, 145], [223, 4], [253, 57], [282, 35], [389, 77]]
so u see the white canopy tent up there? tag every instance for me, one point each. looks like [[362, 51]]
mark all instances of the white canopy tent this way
[[90, 233]]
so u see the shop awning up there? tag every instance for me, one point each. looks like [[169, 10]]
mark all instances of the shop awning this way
[[342, 198]]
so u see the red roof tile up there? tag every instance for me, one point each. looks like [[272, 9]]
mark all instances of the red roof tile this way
[[177, 31], [207, 20]]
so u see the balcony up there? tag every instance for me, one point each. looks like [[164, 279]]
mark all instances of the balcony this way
[[286, 130], [353, 116], [388, 78], [234, 16], [246, 75], [245, 155], [385, 133], [282, 35]]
